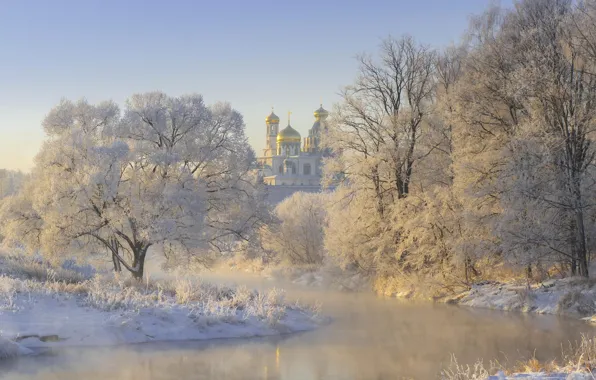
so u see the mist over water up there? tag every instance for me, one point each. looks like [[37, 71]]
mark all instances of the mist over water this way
[[369, 338]]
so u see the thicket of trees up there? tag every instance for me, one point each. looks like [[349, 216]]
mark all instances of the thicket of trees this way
[[480, 154], [295, 234]]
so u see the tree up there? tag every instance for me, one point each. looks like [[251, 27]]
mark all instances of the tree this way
[[381, 119], [525, 116], [10, 182], [356, 236], [170, 172], [561, 93], [297, 233]]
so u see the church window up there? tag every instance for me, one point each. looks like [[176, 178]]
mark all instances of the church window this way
[[306, 169]]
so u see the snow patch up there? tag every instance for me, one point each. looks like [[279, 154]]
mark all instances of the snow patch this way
[[569, 296], [105, 311]]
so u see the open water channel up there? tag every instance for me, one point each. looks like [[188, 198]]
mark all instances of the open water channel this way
[[369, 338]]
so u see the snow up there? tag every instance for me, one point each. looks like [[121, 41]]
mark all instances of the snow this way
[[70, 323], [9, 349], [569, 296], [545, 376], [103, 311]]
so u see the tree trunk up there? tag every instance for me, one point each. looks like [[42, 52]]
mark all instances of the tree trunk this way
[[582, 256], [115, 247], [579, 233], [409, 161], [138, 263], [117, 265], [573, 245], [378, 191]]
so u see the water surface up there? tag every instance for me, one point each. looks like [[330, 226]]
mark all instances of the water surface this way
[[369, 338]]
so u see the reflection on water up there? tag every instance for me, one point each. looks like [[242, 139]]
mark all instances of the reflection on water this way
[[370, 338]]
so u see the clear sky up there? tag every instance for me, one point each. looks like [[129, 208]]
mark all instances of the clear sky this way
[[252, 53]]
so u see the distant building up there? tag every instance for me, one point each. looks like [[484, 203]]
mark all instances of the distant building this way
[[289, 160], [290, 163]]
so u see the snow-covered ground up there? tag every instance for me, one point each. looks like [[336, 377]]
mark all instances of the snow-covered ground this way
[[545, 376], [481, 374], [42, 306], [562, 375], [569, 296]]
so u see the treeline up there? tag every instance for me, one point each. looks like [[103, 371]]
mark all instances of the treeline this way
[[448, 166], [452, 164]]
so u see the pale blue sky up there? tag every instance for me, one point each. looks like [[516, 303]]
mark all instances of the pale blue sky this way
[[254, 54]]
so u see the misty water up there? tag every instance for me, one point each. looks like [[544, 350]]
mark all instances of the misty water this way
[[369, 338]]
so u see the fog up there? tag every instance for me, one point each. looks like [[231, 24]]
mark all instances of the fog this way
[[369, 337]]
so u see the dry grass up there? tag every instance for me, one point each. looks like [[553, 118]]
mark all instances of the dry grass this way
[[33, 268], [414, 286], [493, 270], [457, 371], [534, 365], [578, 358], [207, 303], [581, 356]]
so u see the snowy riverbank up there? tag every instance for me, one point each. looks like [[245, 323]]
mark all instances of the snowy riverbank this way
[[570, 296], [574, 297], [546, 376], [42, 306]]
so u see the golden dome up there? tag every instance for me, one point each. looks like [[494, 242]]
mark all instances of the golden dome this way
[[321, 112], [288, 134], [272, 119]]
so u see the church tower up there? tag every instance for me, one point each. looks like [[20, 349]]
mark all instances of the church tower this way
[[312, 143], [272, 122], [286, 164], [288, 141]]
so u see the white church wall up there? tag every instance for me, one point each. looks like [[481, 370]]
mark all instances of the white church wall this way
[[276, 194]]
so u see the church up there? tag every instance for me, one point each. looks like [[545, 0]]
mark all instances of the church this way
[[290, 161]]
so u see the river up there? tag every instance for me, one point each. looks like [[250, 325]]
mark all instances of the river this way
[[369, 338]]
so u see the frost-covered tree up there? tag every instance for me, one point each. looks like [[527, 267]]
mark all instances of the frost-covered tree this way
[[356, 235], [11, 182], [484, 115], [297, 231], [503, 163], [525, 131], [381, 119], [207, 142], [170, 172], [380, 134]]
